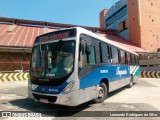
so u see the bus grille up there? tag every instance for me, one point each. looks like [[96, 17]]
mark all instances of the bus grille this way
[[49, 98]]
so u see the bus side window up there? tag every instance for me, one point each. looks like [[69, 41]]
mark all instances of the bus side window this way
[[92, 57], [104, 53], [115, 59], [136, 60], [82, 56], [133, 60], [109, 51], [122, 55], [128, 59]]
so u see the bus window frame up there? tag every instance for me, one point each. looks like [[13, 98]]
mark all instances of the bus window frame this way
[[86, 40], [128, 56], [124, 62], [112, 55], [101, 53]]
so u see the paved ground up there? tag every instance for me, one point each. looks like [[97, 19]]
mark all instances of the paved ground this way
[[143, 96]]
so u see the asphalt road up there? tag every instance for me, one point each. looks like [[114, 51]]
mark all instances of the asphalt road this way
[[143, 96]]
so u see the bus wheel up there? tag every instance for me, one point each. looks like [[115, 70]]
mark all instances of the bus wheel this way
[[131, 82], [102, 93]]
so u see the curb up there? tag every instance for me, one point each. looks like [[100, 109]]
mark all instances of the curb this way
[[13, 76], [150, 74]]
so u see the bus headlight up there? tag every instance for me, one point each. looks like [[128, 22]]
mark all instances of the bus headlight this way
[[69, 87]]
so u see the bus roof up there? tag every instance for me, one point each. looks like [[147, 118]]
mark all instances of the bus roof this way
[[92, 34]]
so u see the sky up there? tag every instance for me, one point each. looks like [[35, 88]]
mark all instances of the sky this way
[[77, 12]]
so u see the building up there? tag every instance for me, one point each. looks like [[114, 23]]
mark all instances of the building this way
[[17, 37], [135, 20]]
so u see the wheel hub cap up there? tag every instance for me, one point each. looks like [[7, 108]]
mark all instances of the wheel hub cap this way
[[101, 92]]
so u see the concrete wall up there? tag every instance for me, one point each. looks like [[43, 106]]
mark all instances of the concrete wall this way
[[150, 24], [143, 22], [150, 68], [134, 22], [149, 62], [102, 18]]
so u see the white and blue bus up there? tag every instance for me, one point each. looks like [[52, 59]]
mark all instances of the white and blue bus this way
[[72, 66]]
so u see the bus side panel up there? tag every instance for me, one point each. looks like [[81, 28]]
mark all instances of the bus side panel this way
[[135, 71], [115, 75], [79, 96]]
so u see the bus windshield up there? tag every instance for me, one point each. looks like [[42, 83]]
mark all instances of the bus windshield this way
[[53, 60]]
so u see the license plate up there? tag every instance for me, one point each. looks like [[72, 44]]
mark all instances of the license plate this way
[[44, 100]]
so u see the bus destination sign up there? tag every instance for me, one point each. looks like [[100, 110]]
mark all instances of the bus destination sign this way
[[56, 35]]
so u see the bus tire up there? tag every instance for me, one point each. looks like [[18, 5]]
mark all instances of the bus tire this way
[[131, 82], [102, 93]]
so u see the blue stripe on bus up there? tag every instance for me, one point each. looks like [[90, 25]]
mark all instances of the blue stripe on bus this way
[[111, 72], [50, 89]]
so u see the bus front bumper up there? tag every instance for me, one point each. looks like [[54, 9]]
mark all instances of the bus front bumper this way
[[72, 98], [61, 99]]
